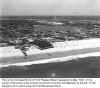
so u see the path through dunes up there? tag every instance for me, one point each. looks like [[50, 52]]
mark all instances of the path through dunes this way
[[69, 50]]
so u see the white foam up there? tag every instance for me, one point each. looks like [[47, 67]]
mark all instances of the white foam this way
[[61, 59]]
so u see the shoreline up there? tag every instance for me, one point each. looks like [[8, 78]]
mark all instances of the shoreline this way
[[59, 47]]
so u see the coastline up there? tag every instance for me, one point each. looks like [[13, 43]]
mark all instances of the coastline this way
[[66, 46]]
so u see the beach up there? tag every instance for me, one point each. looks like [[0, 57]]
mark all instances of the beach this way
[[62, 51]]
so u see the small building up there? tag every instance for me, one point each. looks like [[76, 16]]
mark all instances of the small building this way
[[42, 44]]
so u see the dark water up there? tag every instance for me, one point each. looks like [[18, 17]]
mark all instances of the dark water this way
[[81, 68]]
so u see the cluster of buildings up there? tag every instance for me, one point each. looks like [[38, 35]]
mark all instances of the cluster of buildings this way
[[18, 30]]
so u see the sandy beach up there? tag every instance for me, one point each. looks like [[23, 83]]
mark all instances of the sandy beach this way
[[62, 51]]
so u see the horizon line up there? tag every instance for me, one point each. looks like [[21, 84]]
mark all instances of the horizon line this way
[[49, 15]]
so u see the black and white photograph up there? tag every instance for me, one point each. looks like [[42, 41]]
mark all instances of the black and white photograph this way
[[49, 38]]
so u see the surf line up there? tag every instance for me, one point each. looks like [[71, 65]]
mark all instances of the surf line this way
[[53, 60]]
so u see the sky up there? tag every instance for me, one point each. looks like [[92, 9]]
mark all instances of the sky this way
[[49, 7]]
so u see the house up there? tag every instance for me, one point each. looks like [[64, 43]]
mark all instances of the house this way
[[42, 44]]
